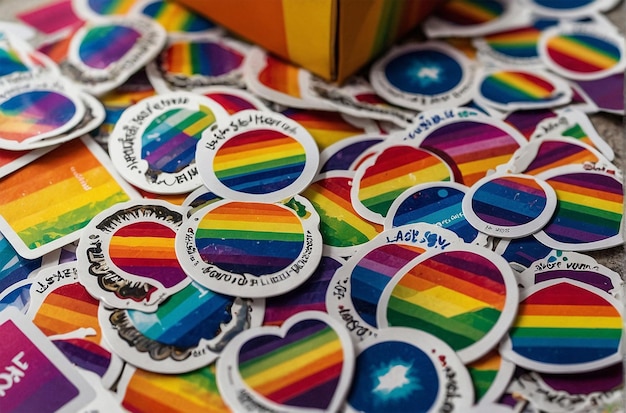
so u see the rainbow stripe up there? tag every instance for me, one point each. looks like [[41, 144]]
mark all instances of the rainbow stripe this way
[[457, 296], [169, 141], [484, 372], [192, 314], [507, 87], [553, 154], [280, 76], [111, 7], [66, 309], [174, 393], [482, 148], [582, 53], [33, 113], [590, 208], [518, 43], [201, 58], [302, 369], [326, 127], [104, 45], [470, 12], [13, 268], [566, 324], [147, 249], [509, 201], [372, 274], [10, 62], [73, 185], [250, 237], [85, 354], [232, 103], [396, 169], [340, 224], [259, 161], [176, 18]]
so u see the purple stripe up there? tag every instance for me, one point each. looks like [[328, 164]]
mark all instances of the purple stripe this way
[[553, 152], [172, 147], [588, 277], [592, 181], [528, 189], [467, 261], [45, 103], [560, 231], [476, 145], [462, 133], [244, 259]]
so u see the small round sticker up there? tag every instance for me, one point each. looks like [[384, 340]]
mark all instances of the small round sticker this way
[[582, 52], [424, 76], [257, 156], [509, 205], [153, 144], [251, 249]]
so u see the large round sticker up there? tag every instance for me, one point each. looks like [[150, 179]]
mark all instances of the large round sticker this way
[[153, 144], [257, 156], [251, 249]]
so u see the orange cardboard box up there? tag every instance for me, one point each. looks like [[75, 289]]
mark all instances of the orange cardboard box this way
[[331, 38]]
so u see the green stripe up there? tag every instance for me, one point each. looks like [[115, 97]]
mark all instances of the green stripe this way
[[338, 233], [483, 319], [288, 352], [575, 132], [382, 202], [260, 166], [482, 380], [249, 234], [191, 120], [582, 213], [551, 332]]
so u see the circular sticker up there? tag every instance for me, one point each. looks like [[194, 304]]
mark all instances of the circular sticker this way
[[565, 326], [251, 249], [115, 270], [185, 333], [437, 203], [257, 156], [509, 205], [582, 52], [406, 370], [424, 76], [466, 295], [153, 144]]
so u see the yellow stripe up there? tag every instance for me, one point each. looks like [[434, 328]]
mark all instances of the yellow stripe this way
[[142, 242], [324, 138], [56, 315], [590, 201], [569, 47], [471, 10], [559, 321], [199, 125], [437, 172], [482, 165], [249, 226], [439, 300], [520, 82], [236, 160], [335, 210]]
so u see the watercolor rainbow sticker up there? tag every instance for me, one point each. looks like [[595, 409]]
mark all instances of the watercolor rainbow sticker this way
[[379, 180], [204, 58], [589, 211], [175, 17], [564, 326], [465, 297], [102, 46]]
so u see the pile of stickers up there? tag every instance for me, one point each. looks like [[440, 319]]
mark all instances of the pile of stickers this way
[[191, 224]]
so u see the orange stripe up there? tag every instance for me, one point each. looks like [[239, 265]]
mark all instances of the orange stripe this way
[[146, 253], [81, 306], [290, 219], [331, 196], [574, 189], [51, 326], [572, 310], [264, 144], [576, 158]]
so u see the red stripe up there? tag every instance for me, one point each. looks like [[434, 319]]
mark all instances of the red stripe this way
[[145, 229], [307, 384], [565, 294], [572, 63]]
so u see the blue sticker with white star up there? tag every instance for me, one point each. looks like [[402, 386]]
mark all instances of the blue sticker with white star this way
[[422, 76]]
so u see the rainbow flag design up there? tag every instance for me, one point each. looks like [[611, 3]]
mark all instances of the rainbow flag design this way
[[105, 45], [509, 201], [302, 369], [484, 372], [10, 62], [192, 314], [66, 309], [566, 324], [554, 154], [13, 268], [482, 148], [73, 185], [111, 7], [85, 354], [147, 249], [340, 224], [201, 58], [176, 18], [590, 208], [506, 87], [326, 127], [518, 43], [169, 142], [280, 76], [470, 12], [396, 169], [232, 103], [250, 237], [372, 274], [457, 296], [174, 393], [33, 113], [582, 53], [259, 161]]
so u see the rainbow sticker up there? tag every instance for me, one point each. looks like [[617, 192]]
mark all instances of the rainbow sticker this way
[[379, 180], [437, 203], [515, 45], [522, 89], [509, 205], [265, 157], [470, 142], [174, 17], [589, 212], [491, 375], [103, 46], [306, 364], [341, 226], [564, 326], [185, 333], [465, 296], [251, 249], [582, 52]]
